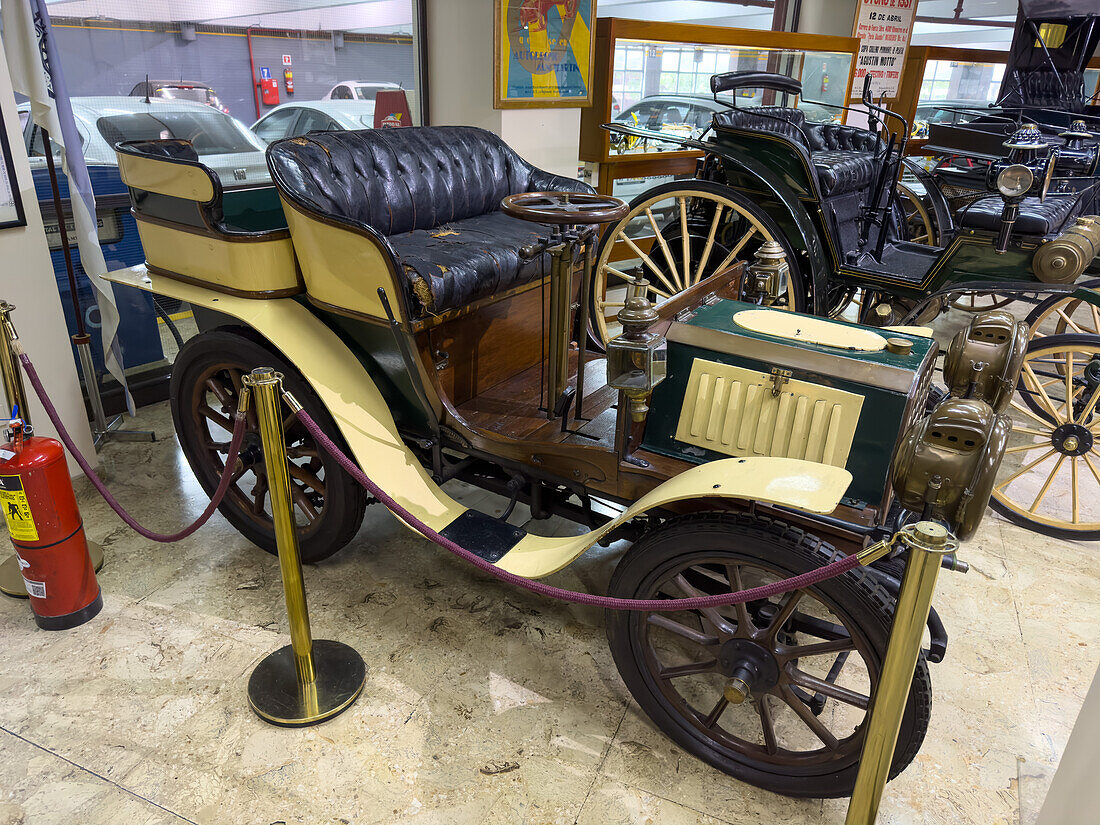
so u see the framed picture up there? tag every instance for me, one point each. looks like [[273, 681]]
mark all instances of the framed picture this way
[[543, 53], [11, 204]]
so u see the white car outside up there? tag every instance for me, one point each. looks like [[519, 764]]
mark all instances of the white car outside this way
[[293, 119], [358, 89], [222, 142]]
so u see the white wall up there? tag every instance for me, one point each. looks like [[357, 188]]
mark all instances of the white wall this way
[[460, 67], [833, 17], [27, 280]]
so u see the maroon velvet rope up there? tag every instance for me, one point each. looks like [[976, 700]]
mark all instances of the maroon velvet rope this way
[[829, 571], [66, 439]]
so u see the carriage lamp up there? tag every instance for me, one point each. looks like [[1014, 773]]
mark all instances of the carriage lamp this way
[[1014, 181], [636, 359], [1026, 145], [766, 277], [1076, 135]]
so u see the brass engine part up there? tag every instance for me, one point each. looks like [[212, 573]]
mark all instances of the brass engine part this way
[[985, 359], [946, 464], [1064, 259]]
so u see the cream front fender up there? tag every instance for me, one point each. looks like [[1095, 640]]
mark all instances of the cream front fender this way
[[364, 420], [790, 482]]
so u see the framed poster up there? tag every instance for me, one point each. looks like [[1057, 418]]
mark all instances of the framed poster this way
[[884, 28], [543, 53], [11, 204]]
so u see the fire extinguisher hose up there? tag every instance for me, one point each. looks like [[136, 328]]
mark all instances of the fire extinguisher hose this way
[[812, 577], [219, 494]]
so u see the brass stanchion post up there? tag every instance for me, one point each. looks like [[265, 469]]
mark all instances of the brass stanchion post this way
[[307, 681], [11, 579], [928, 543]]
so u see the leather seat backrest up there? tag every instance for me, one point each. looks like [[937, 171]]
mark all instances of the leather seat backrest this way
[[398, 180], [779, 120], [831, 136]]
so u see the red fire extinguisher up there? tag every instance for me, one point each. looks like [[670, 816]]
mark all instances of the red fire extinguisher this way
[[824, 78], [288, 81], [47, 531]]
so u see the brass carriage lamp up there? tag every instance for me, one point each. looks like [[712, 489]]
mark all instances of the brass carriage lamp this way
[[1077, 134], [636, 359], [766, 278]]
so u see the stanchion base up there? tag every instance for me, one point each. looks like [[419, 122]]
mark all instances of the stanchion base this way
[[275, 695], [11, 582]]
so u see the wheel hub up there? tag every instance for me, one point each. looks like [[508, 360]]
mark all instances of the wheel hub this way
[[750, 666], [1072, 439]]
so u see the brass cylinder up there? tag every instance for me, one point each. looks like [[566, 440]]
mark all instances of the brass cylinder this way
[[10, 372], [928, 542], [1064, 259], [561, 296], [266, 385]]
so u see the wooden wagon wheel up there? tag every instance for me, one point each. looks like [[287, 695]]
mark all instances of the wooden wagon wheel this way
[[1050, 478], [978, 302], [681, 233], [919, 222], [1064, 314]]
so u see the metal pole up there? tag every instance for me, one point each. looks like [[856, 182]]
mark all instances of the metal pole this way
[[11, 577], [83, 344], [582, 334], [928, 543], [307, 681]]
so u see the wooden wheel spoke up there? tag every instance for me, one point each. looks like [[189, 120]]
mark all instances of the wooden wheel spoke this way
[[213, 415], [1088, 409], [830, 689], [709, 245], [711, 719], [816, 726], [1046, 485], [786, 610], [1021, 408], [215, 386], [1075, 502], [685, 241], [737, 247], [306, 477], [1025, 447], [648, 261], [819, 648], [767, 724], [1025, 469], [691, 634], [733, 575], [711, 614], [668, 252], [1041, 433], [259, 494], [1092, 467], [690, 669], [302, 502], [1042, 393]]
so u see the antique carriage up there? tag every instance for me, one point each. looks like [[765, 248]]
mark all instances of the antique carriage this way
[[434, 334]]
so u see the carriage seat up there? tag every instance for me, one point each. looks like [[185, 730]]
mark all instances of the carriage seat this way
[[434, 192], [1036, 218], [842, 156]]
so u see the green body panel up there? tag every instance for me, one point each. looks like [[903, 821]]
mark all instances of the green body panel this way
[[255, 209], [880, 420], [785, 164]]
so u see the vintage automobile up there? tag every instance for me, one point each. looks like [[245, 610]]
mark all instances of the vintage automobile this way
[[827, 195], [416, 287]]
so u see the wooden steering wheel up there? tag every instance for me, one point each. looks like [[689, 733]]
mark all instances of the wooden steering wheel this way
[[564, 207]]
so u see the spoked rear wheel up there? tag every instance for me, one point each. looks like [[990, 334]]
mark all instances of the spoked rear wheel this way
[[678, 234], [978, 302], [1049, 480], [1061, 315], [204, 394], [810, 659]]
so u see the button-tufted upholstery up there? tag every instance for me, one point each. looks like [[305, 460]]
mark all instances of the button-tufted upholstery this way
[[1035, 218], [435, 193], [843, 156]]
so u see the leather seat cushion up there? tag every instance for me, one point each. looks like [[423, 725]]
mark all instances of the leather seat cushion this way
[[840, 171], [838, 136], [461, 261], [1035, 218], [779, 120]]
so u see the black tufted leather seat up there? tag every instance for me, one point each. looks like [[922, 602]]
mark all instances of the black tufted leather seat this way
[[434, 192], [1035, 218], [843, 156]]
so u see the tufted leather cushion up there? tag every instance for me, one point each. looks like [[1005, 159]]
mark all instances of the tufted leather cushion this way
[[779, 120], [831, 136], [840, 172], [1035, 218], [406, 182]]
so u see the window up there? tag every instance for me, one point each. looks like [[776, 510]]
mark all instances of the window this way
[[314, 121], [35, 149], [210, 134], [276, 125], [341, 93], [365, 92]]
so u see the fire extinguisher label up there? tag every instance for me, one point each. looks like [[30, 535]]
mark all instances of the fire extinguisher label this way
[[35, 589], [16, 509]]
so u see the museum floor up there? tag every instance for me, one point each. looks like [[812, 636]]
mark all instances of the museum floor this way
[[140, 716]]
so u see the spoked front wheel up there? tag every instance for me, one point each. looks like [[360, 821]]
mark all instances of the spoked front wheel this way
[[1065, 314], [1049, 480], [809, 660], [678, 234]]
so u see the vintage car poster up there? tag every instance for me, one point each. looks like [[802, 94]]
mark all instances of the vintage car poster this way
[[543, 53], [11, 205], [883, 28]]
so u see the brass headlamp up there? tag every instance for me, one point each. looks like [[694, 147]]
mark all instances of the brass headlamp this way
[[985, 359], [636, 359], [765, 279], [946, 464]]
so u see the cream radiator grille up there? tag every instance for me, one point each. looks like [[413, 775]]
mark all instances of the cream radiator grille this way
[[732, 410]]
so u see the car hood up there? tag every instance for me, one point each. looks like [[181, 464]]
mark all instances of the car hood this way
[[238, 168]]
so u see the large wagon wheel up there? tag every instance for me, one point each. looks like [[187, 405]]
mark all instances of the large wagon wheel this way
[[1050, 478], [978, 301], [681, 233], [1064, 314], [774, 692], [920, 226]]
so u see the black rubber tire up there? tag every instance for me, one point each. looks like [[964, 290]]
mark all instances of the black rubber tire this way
[[345, 500], [787, 551]]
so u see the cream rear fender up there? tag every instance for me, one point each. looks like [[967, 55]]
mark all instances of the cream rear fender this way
[[365, 422]]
